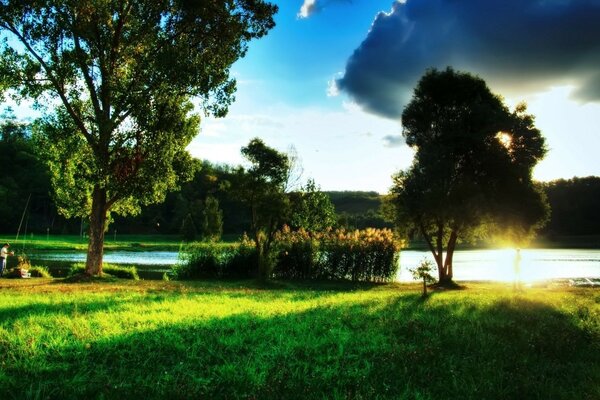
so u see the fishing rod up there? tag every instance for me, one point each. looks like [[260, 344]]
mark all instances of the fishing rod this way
[[22, 217]]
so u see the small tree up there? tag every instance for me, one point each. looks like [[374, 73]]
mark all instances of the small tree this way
[[212, 219], [312, 209], [262, 188], [188, 229], [423, 271]]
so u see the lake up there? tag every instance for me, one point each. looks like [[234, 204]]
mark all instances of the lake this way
[[469, 265]]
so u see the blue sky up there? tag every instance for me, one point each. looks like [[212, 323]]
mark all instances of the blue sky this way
[[332, 82]]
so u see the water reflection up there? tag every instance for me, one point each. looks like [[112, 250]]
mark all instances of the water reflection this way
[[115, 257], [498, 265], [489, 265]]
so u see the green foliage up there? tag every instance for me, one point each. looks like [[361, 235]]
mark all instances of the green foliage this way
[[312, 210], [471, 175], [212, 219], [359, 210], [188, 229], [370, 255], [367, 256], [24, 177], [110, 270], [262, 189], [574, 204], [216, 260], [118, 139], [423, 272]]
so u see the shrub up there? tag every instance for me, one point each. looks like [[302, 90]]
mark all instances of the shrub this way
[[369, 255], [40, 272], [423, 271], [297, 254], [108, 269], [213, 260]]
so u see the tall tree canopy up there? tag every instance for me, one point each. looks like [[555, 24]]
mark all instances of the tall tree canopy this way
[[472, 169], [122, 75]]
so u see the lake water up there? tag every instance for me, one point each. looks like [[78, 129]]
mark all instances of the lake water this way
[[498, 265], [469, 265]]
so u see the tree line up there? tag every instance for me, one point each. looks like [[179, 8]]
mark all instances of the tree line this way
[[573, 202]]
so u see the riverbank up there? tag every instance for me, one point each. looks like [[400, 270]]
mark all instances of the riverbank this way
[[78, 243], [208, 339], [124, 242]]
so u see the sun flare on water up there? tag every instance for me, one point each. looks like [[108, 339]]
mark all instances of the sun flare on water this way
[[514, 266]]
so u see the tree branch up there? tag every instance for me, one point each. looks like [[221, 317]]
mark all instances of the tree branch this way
[[58, 87]]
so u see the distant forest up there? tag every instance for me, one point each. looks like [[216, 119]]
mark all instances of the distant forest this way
[[25, 201]]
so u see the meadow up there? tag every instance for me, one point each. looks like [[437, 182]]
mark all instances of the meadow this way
[[243, 340], [78, 243]]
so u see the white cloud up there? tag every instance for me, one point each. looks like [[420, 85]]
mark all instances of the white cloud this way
[[308, 8], [332, 88]]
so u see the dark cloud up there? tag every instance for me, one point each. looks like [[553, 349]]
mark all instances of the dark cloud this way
[[393, 141], [516, 45]]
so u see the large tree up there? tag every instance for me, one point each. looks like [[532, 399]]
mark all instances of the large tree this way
[[118, 78], [472, 171]]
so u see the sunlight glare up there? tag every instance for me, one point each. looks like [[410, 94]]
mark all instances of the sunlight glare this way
[[516, 268], [505, 139]]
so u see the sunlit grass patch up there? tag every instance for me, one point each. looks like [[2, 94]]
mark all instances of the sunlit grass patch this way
[[209, 339]]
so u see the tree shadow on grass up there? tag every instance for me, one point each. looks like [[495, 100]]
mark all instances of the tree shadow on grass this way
[[399, 349]]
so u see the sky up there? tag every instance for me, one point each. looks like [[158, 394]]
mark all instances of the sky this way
[[331, 80]]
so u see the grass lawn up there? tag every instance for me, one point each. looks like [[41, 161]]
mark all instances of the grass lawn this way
[[120, 242], [155, 339], [77, 243]]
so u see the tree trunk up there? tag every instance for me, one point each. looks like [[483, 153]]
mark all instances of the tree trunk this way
[[449, 256], [439, 259], [93, 264]]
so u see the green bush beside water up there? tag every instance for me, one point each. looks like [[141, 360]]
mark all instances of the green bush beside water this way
[[216, 260], [109, 269], [370, 255]]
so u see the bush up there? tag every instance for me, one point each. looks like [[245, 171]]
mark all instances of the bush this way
[[297, 255], [213, 260], [40, 272], [369, 255], [108, 269]]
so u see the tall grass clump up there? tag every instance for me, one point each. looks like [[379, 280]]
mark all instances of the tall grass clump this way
[[39, 272], [214, 260], [108, 269], [369, 255]]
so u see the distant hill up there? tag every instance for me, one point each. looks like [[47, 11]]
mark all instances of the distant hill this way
[[358, 210]]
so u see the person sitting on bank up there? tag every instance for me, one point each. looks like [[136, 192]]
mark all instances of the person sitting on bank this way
[[4, 253]]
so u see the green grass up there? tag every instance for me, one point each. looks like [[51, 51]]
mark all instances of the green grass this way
[[77, 243], [153, 339], [121, 242]]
